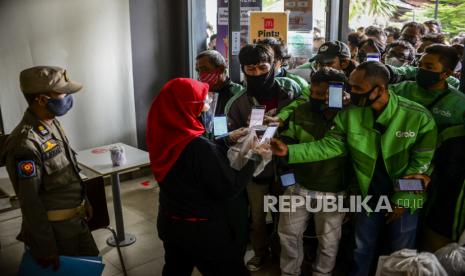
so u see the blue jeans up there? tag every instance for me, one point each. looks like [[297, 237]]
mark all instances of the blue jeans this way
[[401, 234]]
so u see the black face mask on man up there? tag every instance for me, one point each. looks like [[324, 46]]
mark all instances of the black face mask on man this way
[[363, 100], [259, 86], [317, 105], [426, 78]]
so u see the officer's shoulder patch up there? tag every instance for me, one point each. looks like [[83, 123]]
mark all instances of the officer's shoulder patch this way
[[43, 130], [27, 169]]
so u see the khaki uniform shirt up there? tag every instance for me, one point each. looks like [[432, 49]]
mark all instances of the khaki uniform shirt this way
[[45, 175]]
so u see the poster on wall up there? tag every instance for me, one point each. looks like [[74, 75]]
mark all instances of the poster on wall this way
[[300, 17], [222, 39], [268, 24]]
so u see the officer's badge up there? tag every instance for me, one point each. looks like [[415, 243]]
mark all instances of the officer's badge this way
[[50, 149], [42, 130], [49, 145], [323, 48], [27, 169]]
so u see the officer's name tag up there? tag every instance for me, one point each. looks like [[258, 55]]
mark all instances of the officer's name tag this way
[[287, 179]]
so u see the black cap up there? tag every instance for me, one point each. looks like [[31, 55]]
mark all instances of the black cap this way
[[329, 50]]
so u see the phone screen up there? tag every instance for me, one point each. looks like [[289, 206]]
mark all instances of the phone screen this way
[[220, 125], [410, 185], [257, 115], [373, 57], [287, 179], [269, 133], [335, 94]]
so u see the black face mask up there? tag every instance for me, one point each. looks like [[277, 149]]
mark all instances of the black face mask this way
[[260, 86], [317, 105], [362, 57], [362, 100], [426, 79]]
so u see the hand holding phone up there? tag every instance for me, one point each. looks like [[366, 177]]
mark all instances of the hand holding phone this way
[[269, 133]]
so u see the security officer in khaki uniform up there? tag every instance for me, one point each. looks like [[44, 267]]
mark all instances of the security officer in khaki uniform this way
[[44, 171]]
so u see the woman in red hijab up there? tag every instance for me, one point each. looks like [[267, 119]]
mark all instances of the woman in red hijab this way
[[197, 185]]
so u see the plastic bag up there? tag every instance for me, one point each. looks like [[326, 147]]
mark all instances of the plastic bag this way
[[242, 152], [408, 262], [237, 153], [452, 258], [266, 158]]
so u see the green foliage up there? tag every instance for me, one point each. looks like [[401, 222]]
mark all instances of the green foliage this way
[[451, 14], [371, 7]]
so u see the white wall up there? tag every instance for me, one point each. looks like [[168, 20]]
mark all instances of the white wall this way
[[91, 39]]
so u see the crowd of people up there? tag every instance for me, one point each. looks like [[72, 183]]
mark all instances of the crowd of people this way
[[396, 142], [403, 117]]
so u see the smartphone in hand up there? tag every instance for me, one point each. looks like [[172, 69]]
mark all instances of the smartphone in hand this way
[[336, 93]]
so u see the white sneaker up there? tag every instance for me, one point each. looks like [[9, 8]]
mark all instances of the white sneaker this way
[[256, 263]]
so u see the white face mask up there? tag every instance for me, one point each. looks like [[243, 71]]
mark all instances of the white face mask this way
[[393, 61]]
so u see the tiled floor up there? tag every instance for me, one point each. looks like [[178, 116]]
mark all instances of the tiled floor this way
[[144, 257]]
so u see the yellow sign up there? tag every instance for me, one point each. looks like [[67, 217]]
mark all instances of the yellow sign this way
[[268, 24]]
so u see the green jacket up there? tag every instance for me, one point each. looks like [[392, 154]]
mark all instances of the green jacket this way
[[304, 97], [410, 72], [407, 144], [327, 175], [307, 65], [447, 111]]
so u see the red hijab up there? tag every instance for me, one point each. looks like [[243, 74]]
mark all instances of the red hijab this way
[[172, 122]]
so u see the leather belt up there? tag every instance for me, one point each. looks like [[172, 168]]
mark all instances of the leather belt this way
[[65, 214]]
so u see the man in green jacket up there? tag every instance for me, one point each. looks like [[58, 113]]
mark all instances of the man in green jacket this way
[[444, 219], [281, 57], [409, 73], [328, 178], [262, 88], [388, 137], [331, 54], [431, 88]]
